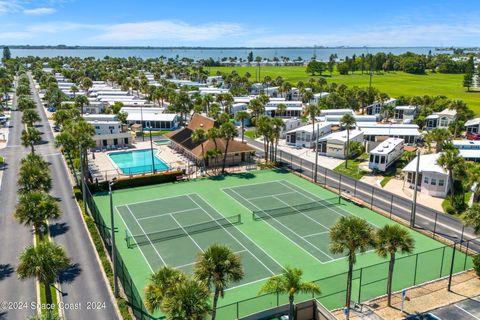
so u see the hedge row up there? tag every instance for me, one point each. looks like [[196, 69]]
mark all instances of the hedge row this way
[[137, 181]]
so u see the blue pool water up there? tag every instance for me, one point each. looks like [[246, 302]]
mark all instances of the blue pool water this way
[[138, 161]]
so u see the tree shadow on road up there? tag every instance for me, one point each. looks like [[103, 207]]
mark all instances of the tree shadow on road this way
[[58, 229], [6, 271], [70, 273]]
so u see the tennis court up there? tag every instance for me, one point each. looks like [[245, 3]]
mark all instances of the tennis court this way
[[272, 219], [302, 217], [187, 224]]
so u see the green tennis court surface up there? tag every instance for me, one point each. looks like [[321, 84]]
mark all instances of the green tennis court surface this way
[[271, 219]]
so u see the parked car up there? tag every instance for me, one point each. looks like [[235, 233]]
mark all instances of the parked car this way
[[472, 136], [52, 109], [56, 129]]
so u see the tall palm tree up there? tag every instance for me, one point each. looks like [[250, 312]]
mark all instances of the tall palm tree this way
[[188, 300], [473, 176], [390, 240], [277, 125], [462, 109], [199, 136], [312, 111], [159, 285], [242, 116], [348, 122], [45, 262], [258, 108], [281, 110], [81, 102], [289, 282], [350, 235], [362, 96], [228, 132], [30, 116], [31, 137], [86, 84], [218, 266], [449, 160]]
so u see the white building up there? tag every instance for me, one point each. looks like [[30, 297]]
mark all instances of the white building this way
[[376, 132], [468, 149], [153, 118], [336, 112], [306, 135], [440, 119], [473, 125], [318, 96], [109, 132], [293, 108], [289, 125], [335, 144], [212, 90], [385, 154], [432, 179], [377, 107], [405, 114]]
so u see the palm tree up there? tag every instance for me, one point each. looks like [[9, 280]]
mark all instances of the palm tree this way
[[277, 125], [213, 134], [462, 109], [472, 217], [390, 240], [188, 300], [289, 282], [258, 108], [86, 84], [351, 235], [473, 176], [45, 262], [33, 175], [213, 154], [81, 102], [242, 116], [312, 111], [228, 132], [31, 137], [281, 110], [35, 208], [199, 136], [30, 116], [218, 266], [449, 160], [440, 136], [159, 285], [74, 90], [362, 96], [24, 103], [347, 122]]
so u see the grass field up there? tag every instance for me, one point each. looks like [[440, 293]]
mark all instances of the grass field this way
[[267, 240], [394, 83]]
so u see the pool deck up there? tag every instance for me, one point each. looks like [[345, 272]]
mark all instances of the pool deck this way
[[106, 165]]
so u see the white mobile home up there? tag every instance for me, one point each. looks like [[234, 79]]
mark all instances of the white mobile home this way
[[377, 107], [385, 154], [469, 150], [375, 132], [153, 118], [440, 119], [473, 125], [335, 144], [305, 136], [405, 114]]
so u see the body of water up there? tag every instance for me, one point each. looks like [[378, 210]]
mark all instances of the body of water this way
[[216, 53]]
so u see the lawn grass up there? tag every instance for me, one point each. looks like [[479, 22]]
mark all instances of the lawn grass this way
[[156, 133], [2, 160], [393, 83], [447, 206], [353, 169], [250, 134]]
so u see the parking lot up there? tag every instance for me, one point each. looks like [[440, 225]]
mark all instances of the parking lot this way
[[468, 309]]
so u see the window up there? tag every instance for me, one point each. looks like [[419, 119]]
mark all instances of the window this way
[[371, 157], [125, 140], [444, 122], [382, 159], [433, 182], [441, 182], [425, 180]]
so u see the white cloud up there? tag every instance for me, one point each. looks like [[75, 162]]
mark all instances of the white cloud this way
[[168, 30], [397, 35], [39, 11], [9, 7]]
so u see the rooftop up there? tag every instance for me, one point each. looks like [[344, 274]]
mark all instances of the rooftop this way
[[473, 122], [341, 135], [428, 163], [386, 146]]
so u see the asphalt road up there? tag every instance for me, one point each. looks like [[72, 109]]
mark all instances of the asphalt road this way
[[447, 226], [16, 296], [83, 285]]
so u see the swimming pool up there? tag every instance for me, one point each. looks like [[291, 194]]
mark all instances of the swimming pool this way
[[162, 142], [138, 161]]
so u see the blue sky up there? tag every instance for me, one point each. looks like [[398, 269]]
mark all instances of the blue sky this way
[[241, 23]]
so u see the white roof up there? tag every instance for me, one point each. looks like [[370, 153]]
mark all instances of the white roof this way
[[148, 114], [466, 144], [104, 122], [428, 163], [387, 146], [102, 117], [291, 108], [473, 122], [309, 127], [469, 153], [445, 112], [387, 131], [341, 135], [336, 112], [406, 107]]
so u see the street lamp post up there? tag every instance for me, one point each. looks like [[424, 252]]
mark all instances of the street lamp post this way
[[151, 149], [316, 153], [141, 120], [112, 232], [414, 204]]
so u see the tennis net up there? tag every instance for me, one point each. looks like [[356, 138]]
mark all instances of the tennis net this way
[[147, 238], [282, 211]]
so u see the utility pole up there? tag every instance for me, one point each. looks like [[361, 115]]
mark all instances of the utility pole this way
[[414, 204], [151, 150], [316, 153], [82, 180]]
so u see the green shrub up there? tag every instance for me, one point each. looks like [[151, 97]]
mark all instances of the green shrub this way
[[137, 181], [476, 264]]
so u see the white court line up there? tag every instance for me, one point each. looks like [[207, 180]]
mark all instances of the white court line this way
[[470, 314], [194, 263], [141, 251], [270, 195], [166, 214], [315, 234], [274, 228], [153, 200], [163, 261], [273, 273], [246, 284], [188, 234], [316, 198]]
